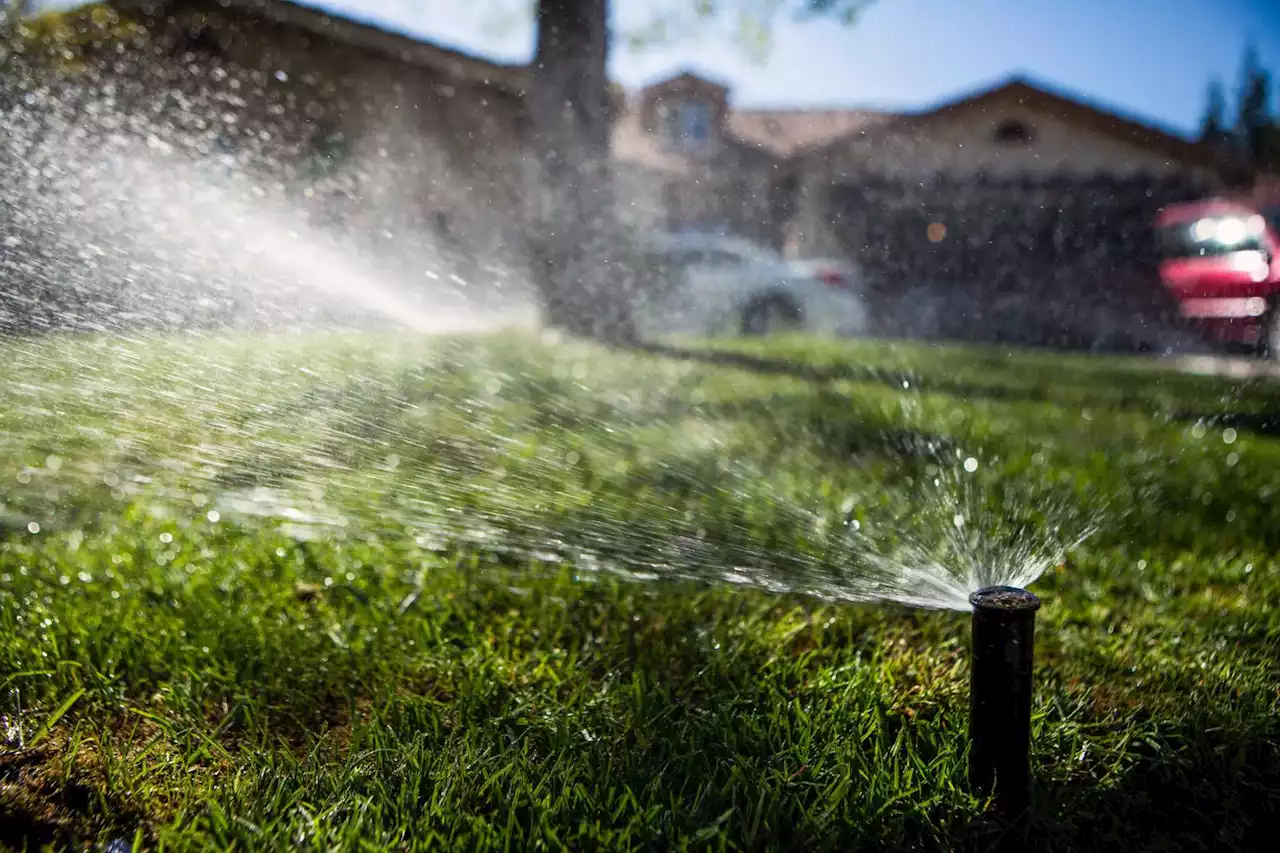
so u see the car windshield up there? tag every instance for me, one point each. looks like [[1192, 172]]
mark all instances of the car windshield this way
[[1272, 215], [1211, 236], [726, 252], [747, 251]]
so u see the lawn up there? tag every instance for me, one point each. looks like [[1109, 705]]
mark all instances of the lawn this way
[[377, 592]]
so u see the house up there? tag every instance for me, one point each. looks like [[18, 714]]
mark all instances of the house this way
[[1015, 211], [1018, 213], [397, 136], [687, 160], [1016, 134]]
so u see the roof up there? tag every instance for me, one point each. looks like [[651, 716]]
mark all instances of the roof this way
[[777, 133], [789, 132], [1041, 98], [371, 37], [685, 79]]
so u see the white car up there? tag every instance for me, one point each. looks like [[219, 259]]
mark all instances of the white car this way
[[712, 284]]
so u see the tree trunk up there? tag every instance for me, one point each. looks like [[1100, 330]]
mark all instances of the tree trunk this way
[[577, 247]]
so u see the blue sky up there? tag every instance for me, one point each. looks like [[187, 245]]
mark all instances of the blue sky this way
[[1152, 58]]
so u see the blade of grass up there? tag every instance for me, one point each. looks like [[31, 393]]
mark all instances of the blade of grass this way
[[52, 719]]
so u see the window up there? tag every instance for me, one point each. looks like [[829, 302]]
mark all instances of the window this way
[[1014, 132], [695, 120], [682, 258], [688, 124], [722, 259], [1210, 237], [718, 258], [1272, 215]]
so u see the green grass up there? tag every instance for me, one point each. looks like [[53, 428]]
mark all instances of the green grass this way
[[479, 600]]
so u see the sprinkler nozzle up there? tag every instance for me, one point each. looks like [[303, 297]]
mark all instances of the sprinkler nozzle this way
[[1004, 621]]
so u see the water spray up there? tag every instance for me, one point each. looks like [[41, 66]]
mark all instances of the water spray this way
[[1004, 622]]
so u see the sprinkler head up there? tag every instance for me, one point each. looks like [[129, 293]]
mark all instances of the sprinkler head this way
[[1004, 599], [1000, 697]]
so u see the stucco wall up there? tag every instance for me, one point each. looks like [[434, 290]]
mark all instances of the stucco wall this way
[[967, 144], [963, 145]]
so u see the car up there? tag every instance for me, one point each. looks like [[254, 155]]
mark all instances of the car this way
[[1220, 260], [710, 284]]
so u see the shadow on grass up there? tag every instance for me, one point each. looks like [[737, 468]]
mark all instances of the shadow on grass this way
[[1148, 506], [1206, 781], [826, 422], [1199, 785], [39, 810], [1123, 393], [759, 755]]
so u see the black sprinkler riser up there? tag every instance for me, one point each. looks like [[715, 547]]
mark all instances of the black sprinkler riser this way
[[1004, 622]]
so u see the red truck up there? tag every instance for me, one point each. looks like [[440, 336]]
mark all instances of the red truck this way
[[1220, 259]]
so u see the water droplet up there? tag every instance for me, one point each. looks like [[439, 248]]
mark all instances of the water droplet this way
[[1228, 436], [958, 521], [1232, 458], [1198, 431], [571, 457], [33, 527], [971, 464], [166, 537], [213, 516], [282, 76], [85, 577], [53, 463]]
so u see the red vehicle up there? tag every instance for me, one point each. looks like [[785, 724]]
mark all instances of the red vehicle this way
[[1220, 258]]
